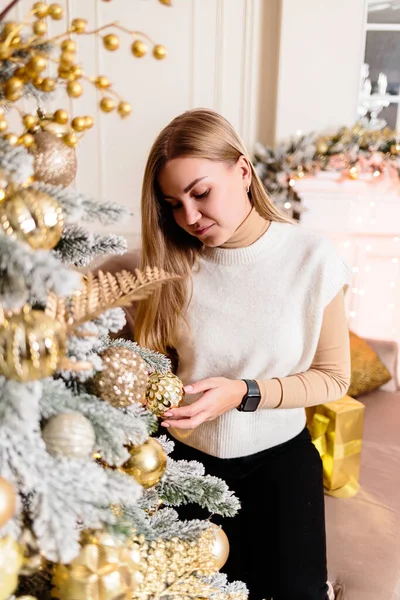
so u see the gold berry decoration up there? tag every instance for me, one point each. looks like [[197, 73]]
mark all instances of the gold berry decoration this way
[[111, 42], [61, 116], [159, 52], [11, 138], [27, 140], [13, 89], [30, 121], [70, 139], [39, 28], [124, 109], [79, 25], [102, 82], [89, 122], [3, 125], [74, 89], [107, 104], [78, 124], [41, 9], [139, 48], [55, 12], [68, 46]]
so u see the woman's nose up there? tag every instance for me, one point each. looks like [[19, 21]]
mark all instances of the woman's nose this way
[[192, 214]]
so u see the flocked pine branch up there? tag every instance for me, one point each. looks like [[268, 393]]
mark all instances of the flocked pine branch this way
[[154, 360], [114, 427], [78, 207], [28, 275], [185, 482], [79, 247], [16, 161]]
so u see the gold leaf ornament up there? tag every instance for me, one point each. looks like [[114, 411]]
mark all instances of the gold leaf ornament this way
[[164, 391]]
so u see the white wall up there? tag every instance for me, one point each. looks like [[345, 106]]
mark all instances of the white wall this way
[[211, 63], [319, 66]]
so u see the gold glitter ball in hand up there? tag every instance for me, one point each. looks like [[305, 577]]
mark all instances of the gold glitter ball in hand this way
[[33, 217], [124, 379], [31, 345], [147, 463], [164, 392]]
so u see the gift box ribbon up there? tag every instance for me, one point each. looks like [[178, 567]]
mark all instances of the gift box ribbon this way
[[324, 442]]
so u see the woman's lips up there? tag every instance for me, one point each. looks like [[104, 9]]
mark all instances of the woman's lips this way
[[203, 231]]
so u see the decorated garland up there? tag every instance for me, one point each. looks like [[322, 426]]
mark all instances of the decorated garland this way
[[351, 152]]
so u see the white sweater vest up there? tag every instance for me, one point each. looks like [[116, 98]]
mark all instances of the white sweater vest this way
[[256, 313]]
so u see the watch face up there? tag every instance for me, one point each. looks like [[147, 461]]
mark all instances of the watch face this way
[[251, 403]]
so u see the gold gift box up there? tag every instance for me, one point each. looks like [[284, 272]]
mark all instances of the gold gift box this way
[[336, 429]]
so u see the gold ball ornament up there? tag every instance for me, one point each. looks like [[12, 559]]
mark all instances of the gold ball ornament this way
[[13, 89], [124, 109], [31, 345], [111, 42], [54, 162], [147, 463], [159, 52], [37, 64], [139, 48], [164, 392], [220, 548], [33, 217], [67, 58], [8, 501], [102, 571], [124, 379], [395, 149], [69, 434], [107, 104], [10, 563], [48, 85], [3, 125]]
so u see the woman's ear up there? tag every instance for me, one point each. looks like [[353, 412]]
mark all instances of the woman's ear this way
[[245, 170]]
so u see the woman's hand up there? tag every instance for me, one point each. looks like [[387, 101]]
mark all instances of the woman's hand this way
[[220, 395]]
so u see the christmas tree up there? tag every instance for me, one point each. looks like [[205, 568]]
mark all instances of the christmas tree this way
[[86, 490]]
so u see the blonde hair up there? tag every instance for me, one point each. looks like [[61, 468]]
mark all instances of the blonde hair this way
[[199, 133]]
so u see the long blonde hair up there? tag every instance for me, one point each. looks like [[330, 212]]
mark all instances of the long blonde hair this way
[[199, 133]]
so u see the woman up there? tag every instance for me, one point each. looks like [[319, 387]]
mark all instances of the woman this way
[[258, 328]]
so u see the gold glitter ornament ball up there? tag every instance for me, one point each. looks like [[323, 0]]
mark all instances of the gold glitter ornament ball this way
[[164, 392], [147, 463], [8, 501], [124, 378], [33, 217], [31, 345], [55, 162], [69, 434]]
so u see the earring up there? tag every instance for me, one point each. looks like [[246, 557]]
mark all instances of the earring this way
[[248, 189]]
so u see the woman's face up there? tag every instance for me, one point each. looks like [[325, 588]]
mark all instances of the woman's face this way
[[208, 198]]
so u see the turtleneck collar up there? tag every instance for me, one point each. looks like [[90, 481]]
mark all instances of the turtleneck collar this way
[[248, 232]]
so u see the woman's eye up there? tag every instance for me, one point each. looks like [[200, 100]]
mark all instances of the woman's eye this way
[[203, 195], [175, 206]]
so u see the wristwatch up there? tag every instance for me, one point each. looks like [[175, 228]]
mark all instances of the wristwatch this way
[[252, 397]]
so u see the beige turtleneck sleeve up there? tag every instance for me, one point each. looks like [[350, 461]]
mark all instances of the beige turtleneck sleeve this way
[[328, 377]]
